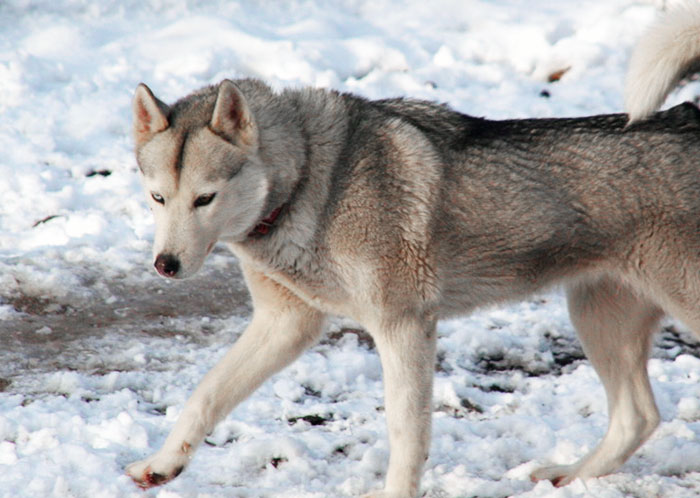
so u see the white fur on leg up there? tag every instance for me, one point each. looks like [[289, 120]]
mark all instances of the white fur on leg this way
[[407, 352], [615, 325], [383, 494], [281, 329], [631, 423]]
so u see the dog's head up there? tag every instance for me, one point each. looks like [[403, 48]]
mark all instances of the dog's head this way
[[201, 171]]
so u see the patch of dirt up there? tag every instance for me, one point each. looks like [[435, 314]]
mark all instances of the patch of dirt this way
[[363, 338], [47, 334], [671, 343]]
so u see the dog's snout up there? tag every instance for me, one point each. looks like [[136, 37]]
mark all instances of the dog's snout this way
[[167, 265]]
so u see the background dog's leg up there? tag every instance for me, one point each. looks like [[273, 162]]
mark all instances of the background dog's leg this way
[[615, 326], [281, 329], [407, 352]]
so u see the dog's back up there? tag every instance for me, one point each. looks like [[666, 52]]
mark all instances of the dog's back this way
[[526, 203]]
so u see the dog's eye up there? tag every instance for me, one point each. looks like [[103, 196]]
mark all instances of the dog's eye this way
[[158, 198], [203, 200]]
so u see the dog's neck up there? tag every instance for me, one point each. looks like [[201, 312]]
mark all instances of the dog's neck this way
[[266, 224]]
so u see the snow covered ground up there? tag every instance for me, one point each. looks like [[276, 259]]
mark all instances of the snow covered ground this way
[[97, 354]]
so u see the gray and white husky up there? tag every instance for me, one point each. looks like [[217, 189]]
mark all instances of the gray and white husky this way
[[399, 212]]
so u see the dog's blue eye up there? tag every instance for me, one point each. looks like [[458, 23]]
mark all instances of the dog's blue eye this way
[[203, 200], [158, 198]]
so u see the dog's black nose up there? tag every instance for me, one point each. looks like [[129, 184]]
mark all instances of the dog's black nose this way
[[167, 265]]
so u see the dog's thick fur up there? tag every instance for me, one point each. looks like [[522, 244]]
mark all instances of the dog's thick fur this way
[[400, 212]]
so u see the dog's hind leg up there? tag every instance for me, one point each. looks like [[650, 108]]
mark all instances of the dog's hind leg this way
[[282, 328], [615, 325]]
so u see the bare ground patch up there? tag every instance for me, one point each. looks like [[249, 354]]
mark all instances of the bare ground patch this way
[[50, 334]]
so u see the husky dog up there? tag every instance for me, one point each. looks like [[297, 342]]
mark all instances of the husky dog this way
[[400, 212]]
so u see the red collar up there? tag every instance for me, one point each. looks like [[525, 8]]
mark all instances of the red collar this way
[[264, 227]]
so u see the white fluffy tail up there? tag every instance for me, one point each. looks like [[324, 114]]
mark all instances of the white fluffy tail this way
[[669, 50]]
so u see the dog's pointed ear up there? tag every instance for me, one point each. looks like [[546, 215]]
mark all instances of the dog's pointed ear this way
[[232, 117], [150, 114]]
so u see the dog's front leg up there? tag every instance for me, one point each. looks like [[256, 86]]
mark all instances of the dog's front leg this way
[[407, 351], [281, 329]]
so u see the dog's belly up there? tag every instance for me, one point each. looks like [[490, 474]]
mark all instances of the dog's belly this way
[[461, 294]]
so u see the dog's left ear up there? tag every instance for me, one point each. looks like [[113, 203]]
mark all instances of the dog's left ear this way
[[150, 114], [232, 117]]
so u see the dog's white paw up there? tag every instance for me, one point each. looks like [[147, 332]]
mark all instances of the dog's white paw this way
[[385, 494], [559, 475], [158, 469]]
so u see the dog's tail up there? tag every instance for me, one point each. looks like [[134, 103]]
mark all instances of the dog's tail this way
[[669, 50]]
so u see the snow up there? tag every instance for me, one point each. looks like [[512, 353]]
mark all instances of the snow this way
[[98, 355]]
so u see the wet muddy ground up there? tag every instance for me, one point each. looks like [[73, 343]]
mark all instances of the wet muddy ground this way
[[62, 334]]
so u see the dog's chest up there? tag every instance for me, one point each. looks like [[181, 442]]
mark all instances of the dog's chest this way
[[312, 278], [317, 293]]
